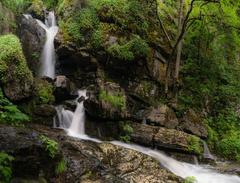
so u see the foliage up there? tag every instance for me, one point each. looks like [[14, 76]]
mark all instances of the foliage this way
[[93, 25], [117, 100], [51, 146], [9, 113], [44, 92], [17, 6], [190, 180], [5, 167], [195, 145], [61, 167], [229, 146], [125, 131], [13, 65]]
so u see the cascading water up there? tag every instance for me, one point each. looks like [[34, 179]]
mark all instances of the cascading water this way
[[48, 58], [201, 173], [207, 154], [73, 123]]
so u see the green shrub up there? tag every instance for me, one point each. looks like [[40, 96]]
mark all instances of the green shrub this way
[[134, 48], [125, 131], [5, 167], [9, 113], [229, 145], [190, 180], [50, 145], [195, 145], [61, 167], [116, 100]]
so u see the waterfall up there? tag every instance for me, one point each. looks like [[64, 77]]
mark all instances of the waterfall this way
[[73, 123], [48, 57], [207, 154]]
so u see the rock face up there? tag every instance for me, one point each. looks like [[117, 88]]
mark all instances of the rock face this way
[[193, 123], [32, 37], [162, 116], [161, 138], [16, 78], [64, 89], [30, 157], [107, 102]]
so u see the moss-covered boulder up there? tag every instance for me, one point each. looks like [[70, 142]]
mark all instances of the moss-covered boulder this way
[[107, 102], [15, 76]]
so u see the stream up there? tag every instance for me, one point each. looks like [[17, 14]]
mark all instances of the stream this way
[[74, 122]]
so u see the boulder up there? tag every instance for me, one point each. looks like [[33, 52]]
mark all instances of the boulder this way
[[45, 110], [193, 123], [107, 102], [30, 156], [164, 139], [162, 116], [64, 89], [15, 77], [32, 38]]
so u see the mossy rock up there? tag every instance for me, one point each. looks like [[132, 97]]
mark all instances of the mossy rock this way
[[15, 76]]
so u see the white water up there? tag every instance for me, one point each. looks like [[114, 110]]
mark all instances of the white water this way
[[48, 57], [207, 154], [201, 173]]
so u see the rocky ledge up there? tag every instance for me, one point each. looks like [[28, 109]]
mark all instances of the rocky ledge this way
[[86, 161]]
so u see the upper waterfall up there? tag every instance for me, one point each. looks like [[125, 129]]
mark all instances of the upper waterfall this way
[[48, 57]]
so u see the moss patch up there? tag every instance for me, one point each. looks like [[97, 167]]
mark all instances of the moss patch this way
[[195, 145], [117, 100]]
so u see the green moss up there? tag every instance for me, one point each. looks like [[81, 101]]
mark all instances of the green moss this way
[[117, 100], [190, 179], [37, 7], [44, 93], [61, 167], [195, 145], [13, 65], [5, 167]]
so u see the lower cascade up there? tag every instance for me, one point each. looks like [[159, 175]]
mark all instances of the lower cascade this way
[[73, 124]]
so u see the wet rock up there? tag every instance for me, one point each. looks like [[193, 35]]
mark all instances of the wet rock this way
[[30, 157], [70, 104], [143, 134], [193, 123], [45, 110], [32, 37], [162, 116], [107, 102], [106, 163], [161, 138], [64, 89]]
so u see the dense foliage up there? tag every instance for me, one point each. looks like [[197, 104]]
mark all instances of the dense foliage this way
[[5, 167]]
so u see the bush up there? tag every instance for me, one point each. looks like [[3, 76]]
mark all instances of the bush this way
[[229, 146], [116, 100], [125, 131], [195, 145], [9, 113], [5, 167], [51, 146], [190, 180]]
